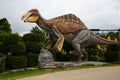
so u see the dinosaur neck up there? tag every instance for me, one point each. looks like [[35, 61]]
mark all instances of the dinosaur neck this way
[[42, 23]]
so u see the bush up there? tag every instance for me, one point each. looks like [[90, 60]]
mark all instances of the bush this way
[[16, 62], [32, 60], [4, 25], [2, 48], [11, 43], [93, 58], [31, 37], [72, 57], [17, 49], [9, 39], [1, 37], [112, 56], [2, 66], [33, 47]]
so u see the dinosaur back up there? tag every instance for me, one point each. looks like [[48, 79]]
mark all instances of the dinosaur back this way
[[70, 17], [68, 23]]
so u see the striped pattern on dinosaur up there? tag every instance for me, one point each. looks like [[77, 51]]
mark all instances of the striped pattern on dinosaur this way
[[68, 23], [67, 17]]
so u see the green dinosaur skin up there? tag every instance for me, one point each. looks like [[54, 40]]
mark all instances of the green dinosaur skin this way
[[67, 27]]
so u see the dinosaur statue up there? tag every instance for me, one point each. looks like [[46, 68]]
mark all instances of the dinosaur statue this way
[[67, 27]]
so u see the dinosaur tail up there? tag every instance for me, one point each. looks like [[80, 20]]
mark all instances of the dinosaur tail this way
[[100, 40]]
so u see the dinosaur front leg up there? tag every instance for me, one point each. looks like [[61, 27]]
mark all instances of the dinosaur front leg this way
[[59, 44], [49, 44]]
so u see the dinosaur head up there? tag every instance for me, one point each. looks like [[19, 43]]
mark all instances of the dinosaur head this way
[[32, 16]]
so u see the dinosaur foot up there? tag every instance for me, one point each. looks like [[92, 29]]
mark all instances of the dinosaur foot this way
[[79, 60]]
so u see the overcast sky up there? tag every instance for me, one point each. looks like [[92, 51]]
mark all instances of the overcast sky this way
[[102, 14]]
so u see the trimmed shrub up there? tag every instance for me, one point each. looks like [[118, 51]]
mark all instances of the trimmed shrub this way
[[93, 58], [17, 49], [1, 37], [31, 37], [72, 57], [16, 62], [3, 48], [112, 56], [11, 43], [33, 47], [32, 60], [2, 66], [9, 39]]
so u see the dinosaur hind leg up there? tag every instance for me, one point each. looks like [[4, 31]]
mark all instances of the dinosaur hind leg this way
[[85, 53], [81, 37]]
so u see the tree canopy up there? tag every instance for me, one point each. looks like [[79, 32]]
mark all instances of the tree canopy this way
[[4, 25]]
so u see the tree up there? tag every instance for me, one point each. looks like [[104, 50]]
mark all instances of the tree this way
[[113, 51], [11, 43], [32, 37], [4, 26], [33, 42], [41, 33]]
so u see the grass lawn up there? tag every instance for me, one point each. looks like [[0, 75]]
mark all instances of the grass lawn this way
[[26, 73]]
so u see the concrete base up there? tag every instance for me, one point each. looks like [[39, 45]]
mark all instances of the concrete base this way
[[45, 56], [69, 64]]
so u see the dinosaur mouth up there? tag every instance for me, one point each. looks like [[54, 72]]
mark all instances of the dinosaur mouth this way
[[26, 17]]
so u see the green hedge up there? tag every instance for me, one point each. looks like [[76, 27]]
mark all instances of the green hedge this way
[[9, 39], [16, 62], [112, 56], [32, 60], [17, 49], [93, 58], [31, 37], [33, 47], [2, 66], [2, 48], [113, 53]]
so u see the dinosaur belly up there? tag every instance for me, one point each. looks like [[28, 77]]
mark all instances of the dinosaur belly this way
[[69, 37]]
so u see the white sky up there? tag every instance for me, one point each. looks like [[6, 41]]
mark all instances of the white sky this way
[[98, 14]]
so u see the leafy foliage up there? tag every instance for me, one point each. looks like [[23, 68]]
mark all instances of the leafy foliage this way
[[2, 62], [32, 60], [33, 47], [112, 54], [17, 49], [41, 33], [9, 39], [16, 62], [4, 26], [31, 37], [2, 66], [11, 43], [33, 42]]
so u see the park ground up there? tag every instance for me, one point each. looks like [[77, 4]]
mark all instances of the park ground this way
[[98, 73]]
